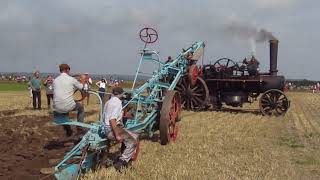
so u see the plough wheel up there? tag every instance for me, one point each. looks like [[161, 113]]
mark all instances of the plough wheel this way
[[274, 102], [171, 107], [193, 97]]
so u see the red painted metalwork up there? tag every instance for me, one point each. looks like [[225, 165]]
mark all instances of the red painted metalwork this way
[[193, 74]]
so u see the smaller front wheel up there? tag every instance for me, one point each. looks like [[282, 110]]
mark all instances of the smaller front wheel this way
[[274, 102]]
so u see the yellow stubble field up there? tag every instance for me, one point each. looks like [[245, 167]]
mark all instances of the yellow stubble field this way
[[237, 144]]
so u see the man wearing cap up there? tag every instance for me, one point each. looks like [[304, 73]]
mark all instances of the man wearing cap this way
[[64, 87], [114, 130], [35, 85]]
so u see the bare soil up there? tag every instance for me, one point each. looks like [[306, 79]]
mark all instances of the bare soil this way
[[27, 144]]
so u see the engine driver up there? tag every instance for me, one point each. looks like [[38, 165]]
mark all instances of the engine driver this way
[[252, 66]]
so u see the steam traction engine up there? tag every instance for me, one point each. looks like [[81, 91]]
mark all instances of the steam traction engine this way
[[234, 84]]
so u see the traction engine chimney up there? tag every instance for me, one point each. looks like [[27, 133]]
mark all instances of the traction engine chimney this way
[[273, 56]]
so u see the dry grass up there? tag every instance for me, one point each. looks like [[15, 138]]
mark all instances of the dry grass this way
[[223, 145]]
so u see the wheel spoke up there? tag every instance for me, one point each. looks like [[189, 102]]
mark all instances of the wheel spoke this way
[[178, 88], [198, 99], [279, 110], [275, 98], [267, 108], [194, 89], [197, 94], [283, 107], [191, 104], [269, 97], [283, 98], [196, 103], [183, 103], [199, 90], [265, 104], [188, 103], [265, 100], [184, 82]]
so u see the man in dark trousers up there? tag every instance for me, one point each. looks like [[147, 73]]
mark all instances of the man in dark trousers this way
[[35, 84]]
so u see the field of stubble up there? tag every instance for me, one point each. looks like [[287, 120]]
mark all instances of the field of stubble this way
[[220, 145]]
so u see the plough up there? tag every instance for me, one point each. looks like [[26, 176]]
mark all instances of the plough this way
[[155, 105]]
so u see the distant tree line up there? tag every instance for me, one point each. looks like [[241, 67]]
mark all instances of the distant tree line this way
[[302, 82]]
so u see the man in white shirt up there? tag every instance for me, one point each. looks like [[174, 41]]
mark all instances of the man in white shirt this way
[[64, 87], [114, 129]]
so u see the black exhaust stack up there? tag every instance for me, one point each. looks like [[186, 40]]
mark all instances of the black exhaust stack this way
[[273, 56]]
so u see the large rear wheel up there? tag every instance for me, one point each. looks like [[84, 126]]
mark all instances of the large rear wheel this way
[[171, 108], [193, 97]]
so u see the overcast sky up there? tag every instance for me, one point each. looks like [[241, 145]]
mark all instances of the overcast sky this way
[[101, 36]]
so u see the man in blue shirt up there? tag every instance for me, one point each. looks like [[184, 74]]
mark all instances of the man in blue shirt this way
[[35, 84]]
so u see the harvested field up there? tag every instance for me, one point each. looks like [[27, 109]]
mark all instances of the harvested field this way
[[231, 144]]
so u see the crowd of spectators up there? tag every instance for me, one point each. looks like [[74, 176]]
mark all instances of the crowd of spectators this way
[[36, 82]]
